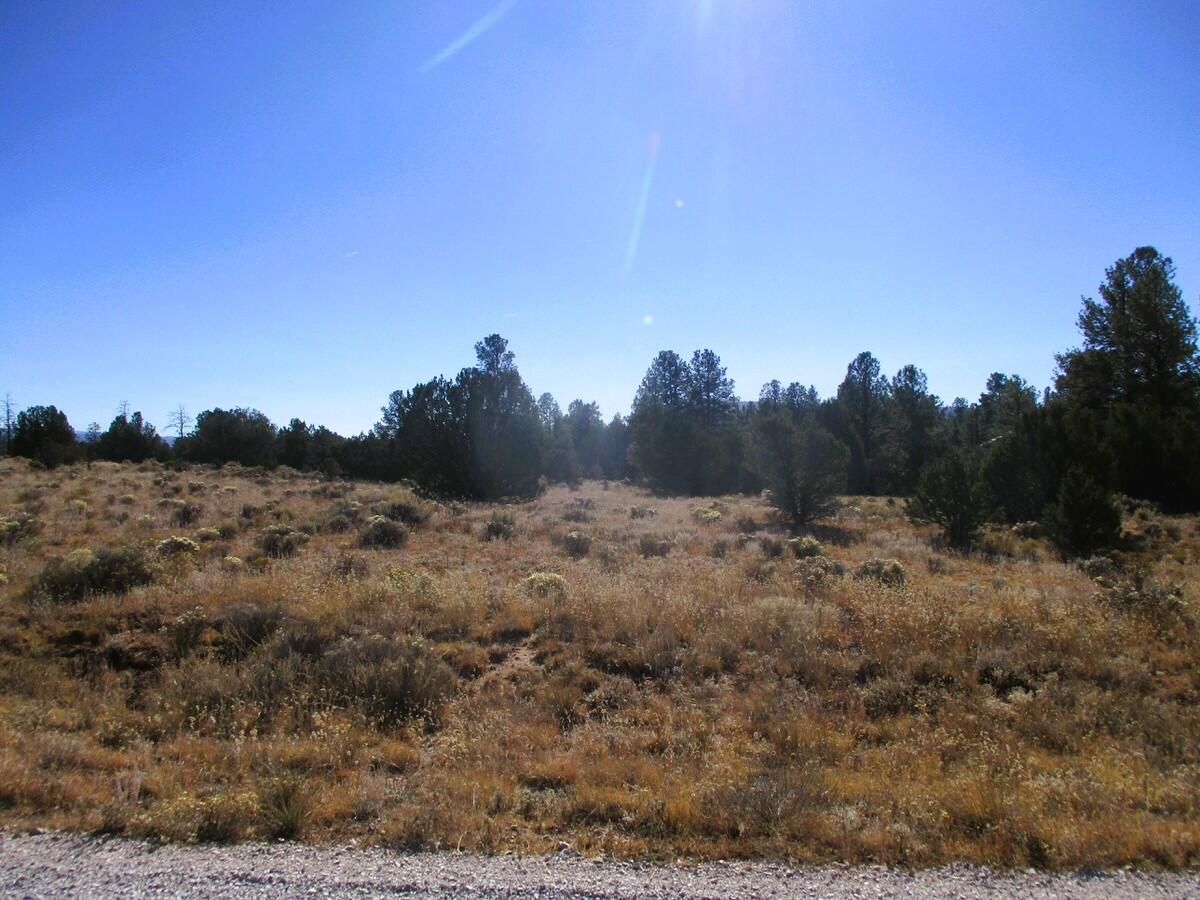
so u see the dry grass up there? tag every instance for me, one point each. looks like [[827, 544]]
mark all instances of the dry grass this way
[[685, 686]]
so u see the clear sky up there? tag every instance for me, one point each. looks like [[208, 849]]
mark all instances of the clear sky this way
[[302, 206]]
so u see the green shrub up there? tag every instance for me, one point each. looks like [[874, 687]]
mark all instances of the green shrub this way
[[245, 626], [1083, 520], [577, 544], [806, 547], [817, 571], [391, 681], [951, 494], [381, 532], [186, 513], [546, 584], [349, 567], [338, 524], [205, 535], [410, 512], [770, 547], [500, 527], [82, 572], [176, 546], [17, 528], [651, 545], [1134, 592], [885, 571], [281, 541]]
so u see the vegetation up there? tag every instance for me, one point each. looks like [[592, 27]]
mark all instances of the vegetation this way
[[862, 697], [950, 494]]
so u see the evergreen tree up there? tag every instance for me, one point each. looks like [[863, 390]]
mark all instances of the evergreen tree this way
[[43, 433], [131, 438], [950, 494], [1083, 519], [802, 465], [863, 397], [910, 432], [244, 436]]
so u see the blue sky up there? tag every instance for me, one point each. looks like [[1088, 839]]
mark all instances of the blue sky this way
[[301, 207]]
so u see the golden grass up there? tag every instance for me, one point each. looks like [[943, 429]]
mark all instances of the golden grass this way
[[999, 708]]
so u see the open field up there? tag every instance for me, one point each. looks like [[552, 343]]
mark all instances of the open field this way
[[623, 673]]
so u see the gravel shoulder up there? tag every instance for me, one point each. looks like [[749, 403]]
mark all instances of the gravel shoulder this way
[[57, 864]]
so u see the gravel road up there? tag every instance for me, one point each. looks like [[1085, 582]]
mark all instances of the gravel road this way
[[48, 865]]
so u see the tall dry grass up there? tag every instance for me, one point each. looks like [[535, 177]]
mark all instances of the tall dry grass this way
[[629, 674]]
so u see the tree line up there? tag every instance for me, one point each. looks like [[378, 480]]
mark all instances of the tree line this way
[[1123, 416]]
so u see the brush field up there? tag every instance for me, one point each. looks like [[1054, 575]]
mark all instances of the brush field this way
[[221, 654]]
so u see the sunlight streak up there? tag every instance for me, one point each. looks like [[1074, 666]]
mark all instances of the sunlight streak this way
[[639, 215], [481, 26]]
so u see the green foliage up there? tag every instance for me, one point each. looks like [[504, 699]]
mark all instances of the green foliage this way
[[577, 544], [683, 429], [885, 571], [130, 438], [546, 585], [863, 397], [499, 527], [285, 808], [1084, 519], [176, 546], [1138, 376], [391, 681], [42, 433], [244, 436], [82, 573], [479, 436], [410, 512], [186, 513], [281, 541], [816, 572], [18, 527], [951, 495], [380, 532], [802, 465], [650, 545], [806, 547]]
